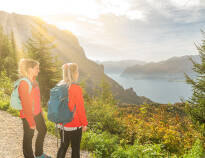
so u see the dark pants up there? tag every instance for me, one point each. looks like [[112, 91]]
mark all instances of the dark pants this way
[[73, 137], [28, 135]]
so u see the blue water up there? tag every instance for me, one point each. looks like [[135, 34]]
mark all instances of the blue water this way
[[161, 91]]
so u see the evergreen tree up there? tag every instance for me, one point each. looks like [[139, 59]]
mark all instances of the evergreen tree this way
[[13, 57], [196, 106], [39, 47], [104, 93], [8, 53]]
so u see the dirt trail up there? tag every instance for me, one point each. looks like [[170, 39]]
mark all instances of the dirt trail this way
[[11, 134]]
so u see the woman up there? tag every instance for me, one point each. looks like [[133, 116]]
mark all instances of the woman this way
[[72, 132], [31, 112]]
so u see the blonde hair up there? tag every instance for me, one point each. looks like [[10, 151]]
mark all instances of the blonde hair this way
[[69, 70], [24, 65]]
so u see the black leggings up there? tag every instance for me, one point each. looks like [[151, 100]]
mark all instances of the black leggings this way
[[75, 138], [28, 135]]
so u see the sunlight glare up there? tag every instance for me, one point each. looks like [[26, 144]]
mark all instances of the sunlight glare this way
[[69, 26]]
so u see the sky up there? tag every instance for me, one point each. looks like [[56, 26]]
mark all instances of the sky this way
[[147, 30]]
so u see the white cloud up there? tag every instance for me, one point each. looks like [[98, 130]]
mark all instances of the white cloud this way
[[92, 9], [119, 29], [135, 15], [185, 4]]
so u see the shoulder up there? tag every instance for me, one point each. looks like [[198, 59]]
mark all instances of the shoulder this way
[[23, 83], [23, 87], [75, 88]]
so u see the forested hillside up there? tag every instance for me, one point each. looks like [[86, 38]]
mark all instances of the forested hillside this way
[[67, 49]]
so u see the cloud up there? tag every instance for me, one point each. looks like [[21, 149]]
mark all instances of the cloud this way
[[124, 29], [166, 32]]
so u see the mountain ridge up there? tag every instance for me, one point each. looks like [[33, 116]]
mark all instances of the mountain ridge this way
[[116, 67], [69, 50], [174, 67]]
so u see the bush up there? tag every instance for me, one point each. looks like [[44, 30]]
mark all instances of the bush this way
[[103, 117], [196, 151], [120, 153], [163, 124], [139, 151], [50, 125], [102, 145], [13, 112], [4, 105], [6, 86]]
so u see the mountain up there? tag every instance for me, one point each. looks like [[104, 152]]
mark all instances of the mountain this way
[[173, 68], [117, 67], [68, 50]]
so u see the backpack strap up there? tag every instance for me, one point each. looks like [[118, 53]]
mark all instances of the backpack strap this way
[[57, 134], [24, 79]]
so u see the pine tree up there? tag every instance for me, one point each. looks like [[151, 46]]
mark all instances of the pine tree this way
[[39, 47], [13, 57], [196, 106], [104, 93], [8, 55]]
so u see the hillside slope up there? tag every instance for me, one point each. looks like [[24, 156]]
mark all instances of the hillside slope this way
[[68, 50]]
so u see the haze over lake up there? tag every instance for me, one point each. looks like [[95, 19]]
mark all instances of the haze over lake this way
[[158, 90]]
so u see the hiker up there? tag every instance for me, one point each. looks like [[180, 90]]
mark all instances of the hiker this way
[[72, 132], [31, 113]]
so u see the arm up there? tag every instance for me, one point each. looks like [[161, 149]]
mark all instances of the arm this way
[[26, 102], [81, 108]]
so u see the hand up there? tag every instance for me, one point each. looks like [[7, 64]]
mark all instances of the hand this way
[[33, 127], [84, 128]]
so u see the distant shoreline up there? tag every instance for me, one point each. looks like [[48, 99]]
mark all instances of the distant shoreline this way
[[163, 90]]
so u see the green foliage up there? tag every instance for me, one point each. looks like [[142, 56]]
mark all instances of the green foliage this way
[[196, 106], [50, 125], [197, 150], [104, 93], [103, 117], [161, 130], [4, 105], [8, 55], [13, 111], [39, 47], [159, 124], [6, 85], [102, 144], [139, 151]]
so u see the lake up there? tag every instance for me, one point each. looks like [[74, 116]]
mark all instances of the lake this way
[[161, 91]]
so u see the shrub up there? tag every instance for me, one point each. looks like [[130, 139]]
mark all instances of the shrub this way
[[196, 151], [102, 145], [103, 117], [166, 125], [13, 111], [50, 125], [4, 105], [139, 151]]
